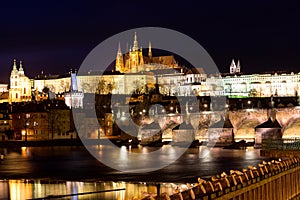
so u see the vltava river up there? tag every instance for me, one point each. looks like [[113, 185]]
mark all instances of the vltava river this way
[[36, 172]]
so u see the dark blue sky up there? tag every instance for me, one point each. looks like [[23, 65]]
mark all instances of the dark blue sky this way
[[55, 36]]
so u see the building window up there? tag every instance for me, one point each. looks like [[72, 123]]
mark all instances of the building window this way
[[16, 83], [16, 95], [24, 90]]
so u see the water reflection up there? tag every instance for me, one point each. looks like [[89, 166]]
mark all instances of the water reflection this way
[[75, 163], [20, 189]]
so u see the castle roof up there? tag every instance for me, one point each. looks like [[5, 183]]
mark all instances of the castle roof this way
[[165, 60]]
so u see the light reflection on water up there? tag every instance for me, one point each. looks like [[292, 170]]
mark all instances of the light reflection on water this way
[[76, 164], [20, 189]]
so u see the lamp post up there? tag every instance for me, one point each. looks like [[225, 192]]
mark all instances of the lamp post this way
[[27, 123]]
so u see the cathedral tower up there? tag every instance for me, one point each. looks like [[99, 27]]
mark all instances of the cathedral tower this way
[[135, 58]]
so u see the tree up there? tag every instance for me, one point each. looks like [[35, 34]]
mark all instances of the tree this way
[[252, 92], [110, 87], [86, 87], [100, 89]]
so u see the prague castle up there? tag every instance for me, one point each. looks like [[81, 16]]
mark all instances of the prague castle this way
[[137, 73]]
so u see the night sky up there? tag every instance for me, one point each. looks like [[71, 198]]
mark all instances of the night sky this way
[[55, 36]]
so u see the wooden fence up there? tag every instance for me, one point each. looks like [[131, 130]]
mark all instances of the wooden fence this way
[[278, 179]]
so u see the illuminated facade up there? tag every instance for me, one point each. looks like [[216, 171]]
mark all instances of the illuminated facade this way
[[20, 85], [135, 73], [262, 85], [55, 84], [237, 84]]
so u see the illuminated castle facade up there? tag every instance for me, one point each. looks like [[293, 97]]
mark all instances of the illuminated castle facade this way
[[134, 61], [137, 73], [20, 85]]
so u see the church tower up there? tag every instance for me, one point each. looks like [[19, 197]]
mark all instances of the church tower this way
[[14, 75], [21, 70], [232, 67], [20, 85], [119, 60], [238, 67], [74, 98]]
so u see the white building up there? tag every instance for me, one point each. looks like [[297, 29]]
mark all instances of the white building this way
[[262, 85]]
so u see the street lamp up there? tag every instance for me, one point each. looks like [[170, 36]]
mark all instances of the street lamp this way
[[249, 104], [27, 123]]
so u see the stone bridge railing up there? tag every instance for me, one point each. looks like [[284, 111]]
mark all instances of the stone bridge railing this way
[[278, 148], [278, 179]]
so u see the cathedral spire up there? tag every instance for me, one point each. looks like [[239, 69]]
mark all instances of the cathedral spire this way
[[119, 60], [119, 50], [135, 43], [150, 51]]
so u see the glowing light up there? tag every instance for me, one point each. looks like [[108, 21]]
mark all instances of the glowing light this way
[[23, 132]]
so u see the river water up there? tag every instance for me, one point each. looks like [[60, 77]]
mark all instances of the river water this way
[[36, 172]]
